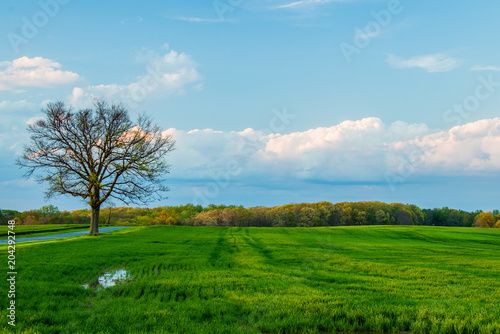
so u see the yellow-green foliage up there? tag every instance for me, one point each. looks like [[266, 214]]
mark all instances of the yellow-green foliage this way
[[289, 215]]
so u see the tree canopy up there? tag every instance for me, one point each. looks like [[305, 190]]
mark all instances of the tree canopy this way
[[97, 154], [289, 215]]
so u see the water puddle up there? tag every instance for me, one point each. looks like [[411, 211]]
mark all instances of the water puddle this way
[[109, 278]]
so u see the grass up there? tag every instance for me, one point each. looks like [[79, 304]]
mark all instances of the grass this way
[[263, 280]]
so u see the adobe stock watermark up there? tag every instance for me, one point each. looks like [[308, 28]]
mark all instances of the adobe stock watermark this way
[[137, 93], [12, 272], [407, 166], [220, 180], [221, 7], [457, 114], [462, 111], [31, 26], [277, 124], [364, 36]]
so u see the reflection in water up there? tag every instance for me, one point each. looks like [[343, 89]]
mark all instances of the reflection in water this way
[[109, 278]]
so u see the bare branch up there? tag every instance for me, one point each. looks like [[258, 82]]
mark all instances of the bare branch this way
[[97, 153]]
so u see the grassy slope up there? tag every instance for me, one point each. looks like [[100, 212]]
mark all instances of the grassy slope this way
[[209, 280]]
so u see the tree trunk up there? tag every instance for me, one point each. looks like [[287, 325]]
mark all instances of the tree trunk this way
[[109, 216], [94, 220]]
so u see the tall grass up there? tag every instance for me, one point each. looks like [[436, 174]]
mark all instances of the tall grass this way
[[258, 280]]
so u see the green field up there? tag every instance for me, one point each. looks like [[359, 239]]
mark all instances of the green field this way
[[263, 280]]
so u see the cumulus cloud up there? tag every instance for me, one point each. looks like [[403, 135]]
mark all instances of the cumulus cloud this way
[[349, 150], [431, 63], [201, 153], [469, 148], [166, 74], [363, 150], [33, 72]]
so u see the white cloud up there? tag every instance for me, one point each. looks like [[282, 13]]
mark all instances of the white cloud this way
[[363, 150], [201, 153], [194, 19], [473, 147], [431, 63], [33, 120], [165, 74], [485, 68], [350, 150], [33, 72], [307, 3], [333, 138]]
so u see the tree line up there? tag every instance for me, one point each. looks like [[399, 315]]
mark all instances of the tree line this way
[[289, 215]]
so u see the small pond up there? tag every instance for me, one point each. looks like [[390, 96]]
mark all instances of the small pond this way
[[109, 278]]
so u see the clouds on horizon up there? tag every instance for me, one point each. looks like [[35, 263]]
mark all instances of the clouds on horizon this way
[[363, 150], [358, 153], [360, 150]]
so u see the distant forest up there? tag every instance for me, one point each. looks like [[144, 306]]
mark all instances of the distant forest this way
[[290, 215]]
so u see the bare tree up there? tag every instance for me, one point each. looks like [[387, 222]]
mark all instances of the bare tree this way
[[97, 154], [110, 206]]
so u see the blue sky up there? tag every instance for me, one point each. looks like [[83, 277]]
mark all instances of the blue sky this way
[[272, 102]]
